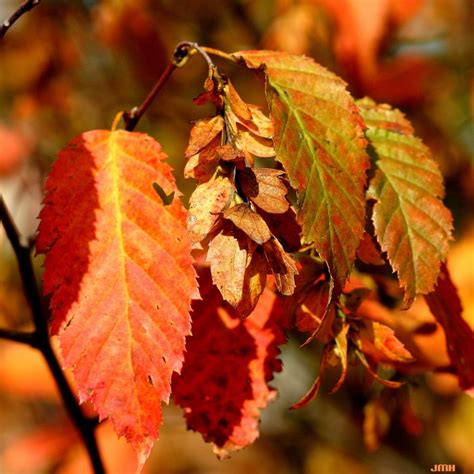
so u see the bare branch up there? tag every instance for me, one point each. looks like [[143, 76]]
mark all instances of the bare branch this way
[[40, 337], [22, 9]]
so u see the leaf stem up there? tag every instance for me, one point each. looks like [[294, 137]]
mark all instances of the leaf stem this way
[[180, 57], [40, 337], [22, 9], [219, 53]]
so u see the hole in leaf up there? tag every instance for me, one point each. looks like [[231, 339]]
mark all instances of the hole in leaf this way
[[166, 198]]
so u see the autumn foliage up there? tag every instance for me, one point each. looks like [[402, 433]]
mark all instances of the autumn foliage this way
[[316, 215]]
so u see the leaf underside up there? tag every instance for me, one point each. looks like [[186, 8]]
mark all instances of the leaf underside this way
[[114, 253], [411, 223], [319, 139]]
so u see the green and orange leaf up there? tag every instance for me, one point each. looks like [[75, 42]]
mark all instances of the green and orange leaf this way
[[319, 139], [411, 223], [114, 253]]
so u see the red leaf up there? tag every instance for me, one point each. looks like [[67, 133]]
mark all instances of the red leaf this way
[[229, 362], [319, 139], [446, 307], [285, 228], [114, 253]]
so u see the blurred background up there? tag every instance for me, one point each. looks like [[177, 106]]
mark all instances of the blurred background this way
[[70, 65]]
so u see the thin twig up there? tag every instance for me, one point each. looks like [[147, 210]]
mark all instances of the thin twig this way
[[41, 338], [19, 336], [22, 9], [132, 117], [181, 55]]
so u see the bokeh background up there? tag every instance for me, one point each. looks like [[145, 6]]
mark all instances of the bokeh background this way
[[70, 65]]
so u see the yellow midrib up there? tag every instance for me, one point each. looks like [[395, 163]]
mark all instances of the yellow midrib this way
[[113, 156]]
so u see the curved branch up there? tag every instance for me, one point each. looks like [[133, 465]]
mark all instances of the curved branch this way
[[21, 10], [40, 337]]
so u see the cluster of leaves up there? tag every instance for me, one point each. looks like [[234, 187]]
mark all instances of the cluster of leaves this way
[[121, 276]]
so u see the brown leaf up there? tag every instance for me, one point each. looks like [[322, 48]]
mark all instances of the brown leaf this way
[[285, 228], [258, 146], [239, 107], [205, 204], [202, 165], [341, 345], [227, 255], [254, 282], [228, 152], [282, 266], [197, 169], [203, 132], [386, 383], [263, 124], [249, 222], [310, 311], [380, 343], [211, 93], [265, 188], [326, 358]]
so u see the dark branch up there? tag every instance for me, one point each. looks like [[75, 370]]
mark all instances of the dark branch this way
[[19, 336], [180, 57], [22, 9], [41, 339], [132, 117]]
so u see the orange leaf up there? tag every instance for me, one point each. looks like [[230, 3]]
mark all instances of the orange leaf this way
[[114, 253], [229, 362]]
